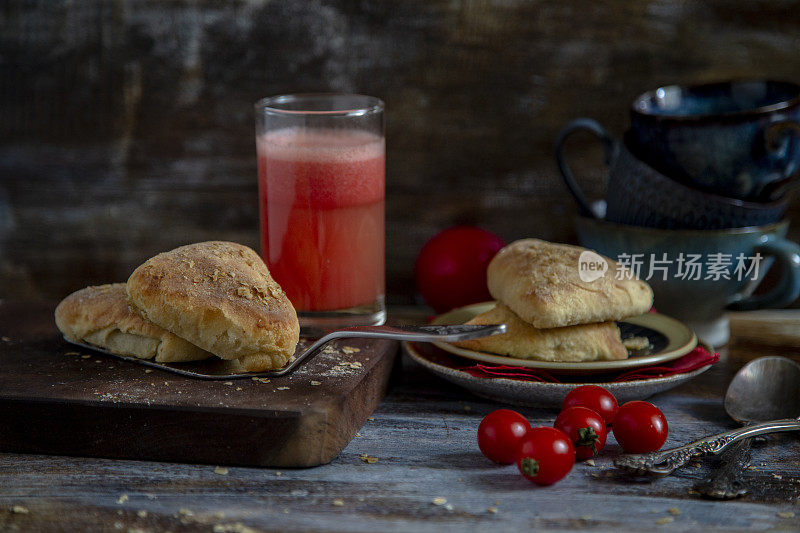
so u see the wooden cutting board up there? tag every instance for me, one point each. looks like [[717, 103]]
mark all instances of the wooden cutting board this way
[[57, 399]]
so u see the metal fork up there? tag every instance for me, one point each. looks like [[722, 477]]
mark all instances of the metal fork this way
[[221, 369]]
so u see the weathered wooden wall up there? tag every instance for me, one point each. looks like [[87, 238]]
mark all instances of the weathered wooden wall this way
[[126, 126]]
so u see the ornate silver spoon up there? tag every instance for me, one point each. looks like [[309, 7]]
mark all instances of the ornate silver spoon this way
[[765, 389]]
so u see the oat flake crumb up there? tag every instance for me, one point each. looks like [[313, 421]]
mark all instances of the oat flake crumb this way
[[283, 388], [122, 499], [368, 458], [315, 383], [338, 503], [665, 520], [221, 470], [590, 462], [236, 527], [786, 514], [674, 511], [18, 509], [86, 357], [350, 349], [148, 371], [492, 510], [439, 501], [238, 388], [141, 513], [228, 383]]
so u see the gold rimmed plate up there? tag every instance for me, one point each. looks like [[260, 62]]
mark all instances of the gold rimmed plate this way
[[669, 340]]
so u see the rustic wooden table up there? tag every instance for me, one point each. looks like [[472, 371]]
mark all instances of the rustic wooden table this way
[[423, 436]]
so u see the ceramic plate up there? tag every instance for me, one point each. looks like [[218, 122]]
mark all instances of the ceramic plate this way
[[534, 393], [669, 340]]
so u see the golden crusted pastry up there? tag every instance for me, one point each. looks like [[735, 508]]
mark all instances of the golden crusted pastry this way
[[221, 297], [100, 316], [540, 282], [588, 342]]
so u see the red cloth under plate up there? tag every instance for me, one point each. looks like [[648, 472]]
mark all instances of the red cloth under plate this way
[[697, 358]]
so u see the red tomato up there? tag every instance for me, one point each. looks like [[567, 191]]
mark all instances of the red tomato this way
[[500, 433], [595, 398], [640, 427], [585, 428], [545, 455], [451, 268]]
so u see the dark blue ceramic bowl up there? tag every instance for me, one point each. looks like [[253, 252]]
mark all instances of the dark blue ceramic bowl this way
[[639, 195], [739, 138]]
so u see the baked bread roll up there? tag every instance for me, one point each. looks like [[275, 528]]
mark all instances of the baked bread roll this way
[[540, 282], [588, 342], [100, 316], [221, 297]]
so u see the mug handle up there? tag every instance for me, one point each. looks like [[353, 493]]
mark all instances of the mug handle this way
[[609, 148], [774, 131], [787, 255]]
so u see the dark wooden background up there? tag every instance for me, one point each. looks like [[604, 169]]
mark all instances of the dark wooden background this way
[[126, 126]]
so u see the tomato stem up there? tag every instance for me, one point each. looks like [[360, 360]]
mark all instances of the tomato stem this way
[[529, 466], [588, 437]]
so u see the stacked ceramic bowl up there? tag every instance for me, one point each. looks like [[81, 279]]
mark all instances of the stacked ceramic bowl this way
[[696, 197]]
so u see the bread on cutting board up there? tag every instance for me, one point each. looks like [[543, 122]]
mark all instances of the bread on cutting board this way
[[221, 297], [100, 316]]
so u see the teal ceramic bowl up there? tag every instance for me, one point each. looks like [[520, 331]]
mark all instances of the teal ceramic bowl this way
[[697, 275]]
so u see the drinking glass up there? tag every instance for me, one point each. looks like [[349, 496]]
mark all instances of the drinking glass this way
[[321, 182]]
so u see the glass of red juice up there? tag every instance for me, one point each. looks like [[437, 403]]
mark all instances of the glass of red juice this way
[[321, 182]]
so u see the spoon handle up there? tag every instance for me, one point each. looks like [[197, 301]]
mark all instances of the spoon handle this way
[[665, 462], [725, 483]]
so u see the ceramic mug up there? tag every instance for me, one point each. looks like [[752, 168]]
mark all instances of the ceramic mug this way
[[702, 303], [737, 138], [639, 195]]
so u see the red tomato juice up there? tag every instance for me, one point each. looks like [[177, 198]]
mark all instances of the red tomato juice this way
[[321, 199]]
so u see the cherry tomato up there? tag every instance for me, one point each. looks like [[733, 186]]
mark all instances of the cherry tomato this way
[[451, 268], [585, 428], [500, 433], [595, 398], [640, 427], [545, 456]]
